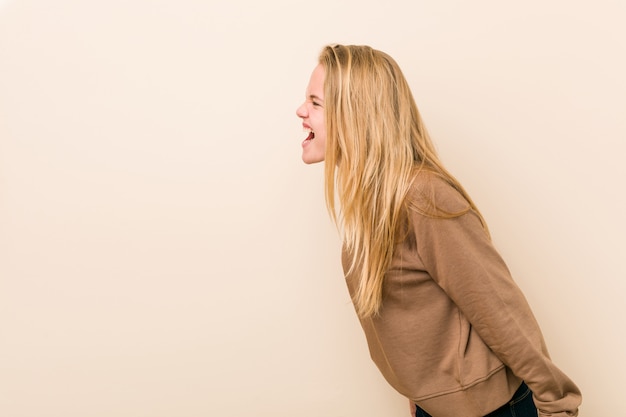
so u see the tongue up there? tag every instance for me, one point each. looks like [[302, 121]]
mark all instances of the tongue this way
[[311, 136]]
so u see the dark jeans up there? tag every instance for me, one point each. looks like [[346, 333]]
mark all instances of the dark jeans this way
[[521, 405]]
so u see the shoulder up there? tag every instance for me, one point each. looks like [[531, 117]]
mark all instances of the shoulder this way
[[431, 193]]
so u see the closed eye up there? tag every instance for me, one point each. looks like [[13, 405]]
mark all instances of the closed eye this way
[[315, 100]]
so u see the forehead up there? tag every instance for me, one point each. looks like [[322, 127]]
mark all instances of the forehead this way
[[316, 83]]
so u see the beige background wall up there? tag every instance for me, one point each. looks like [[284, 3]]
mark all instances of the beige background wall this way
[[164, 252]]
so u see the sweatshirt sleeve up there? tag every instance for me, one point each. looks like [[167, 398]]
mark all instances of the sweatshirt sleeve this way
[[460, 257]]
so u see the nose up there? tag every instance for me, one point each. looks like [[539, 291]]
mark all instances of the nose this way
[[301, 111]]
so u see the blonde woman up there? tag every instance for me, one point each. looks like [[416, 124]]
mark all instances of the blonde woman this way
[[445, 323]]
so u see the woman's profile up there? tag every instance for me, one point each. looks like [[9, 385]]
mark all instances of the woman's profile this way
[[445, 322]]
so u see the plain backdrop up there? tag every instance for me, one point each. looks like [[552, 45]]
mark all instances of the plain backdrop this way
[[165, 252]]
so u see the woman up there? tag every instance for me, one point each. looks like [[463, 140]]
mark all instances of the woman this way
[[444, 321]]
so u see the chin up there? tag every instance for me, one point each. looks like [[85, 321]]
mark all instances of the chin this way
[[309, 161]]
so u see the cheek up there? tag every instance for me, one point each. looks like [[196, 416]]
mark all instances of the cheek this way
[[322, 131]]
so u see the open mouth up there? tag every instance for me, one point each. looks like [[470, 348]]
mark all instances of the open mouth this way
[[310, 137]]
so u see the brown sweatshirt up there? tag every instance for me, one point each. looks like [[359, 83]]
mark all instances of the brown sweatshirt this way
[[455, 333]]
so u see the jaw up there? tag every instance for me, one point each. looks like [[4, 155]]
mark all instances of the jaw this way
[[310, 152]]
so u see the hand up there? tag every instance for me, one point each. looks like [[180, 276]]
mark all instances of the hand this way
[[412, 408]]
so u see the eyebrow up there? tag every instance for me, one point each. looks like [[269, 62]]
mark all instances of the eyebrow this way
[[314, 97]]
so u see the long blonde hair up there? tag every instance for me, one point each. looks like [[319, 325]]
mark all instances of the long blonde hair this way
[[376, 142]]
